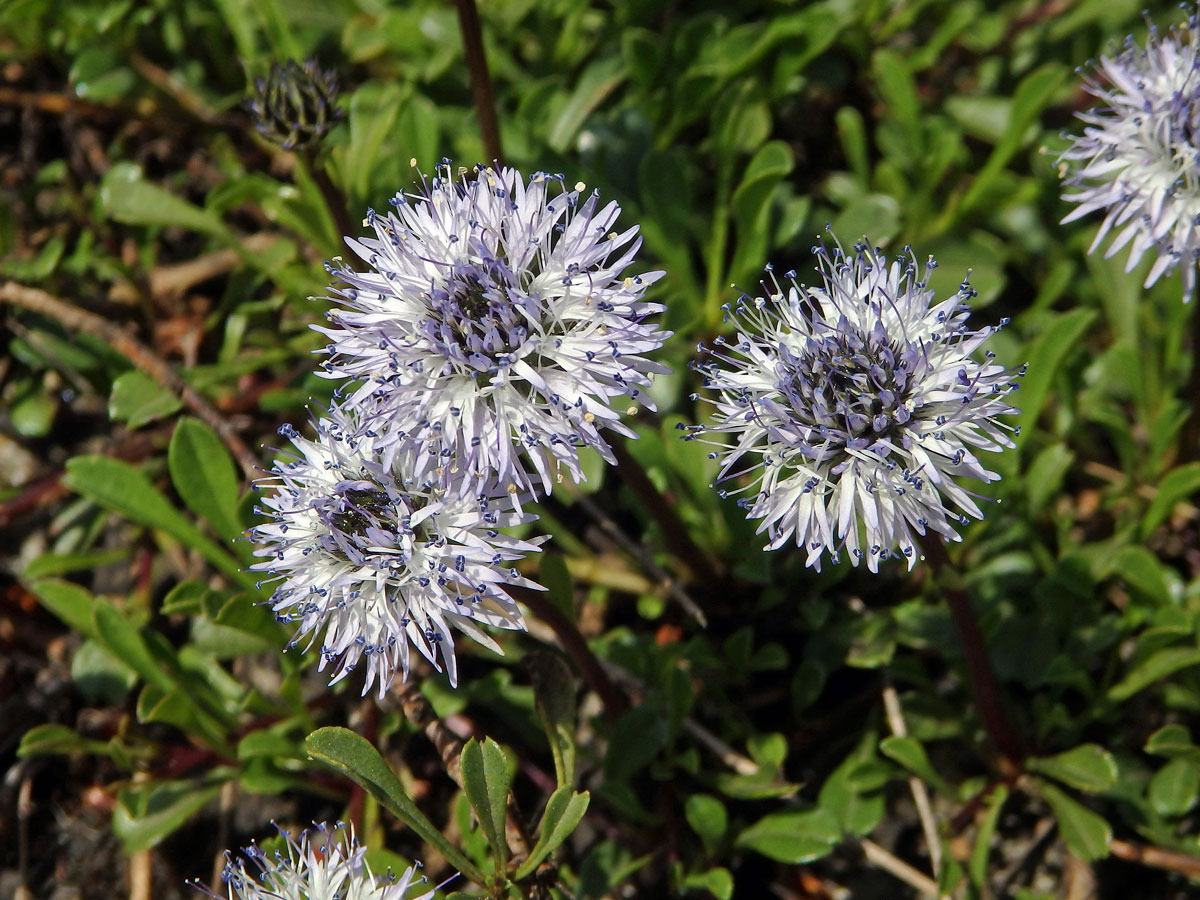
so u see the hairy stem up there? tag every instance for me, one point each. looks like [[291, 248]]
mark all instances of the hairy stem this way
[[481, 82], [979, 670]]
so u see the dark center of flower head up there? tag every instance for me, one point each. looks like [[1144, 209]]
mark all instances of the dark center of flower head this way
[[361, 509], [852, 388], [479, 316]]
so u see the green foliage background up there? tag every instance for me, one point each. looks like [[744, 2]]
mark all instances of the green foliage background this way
[[757, 749]]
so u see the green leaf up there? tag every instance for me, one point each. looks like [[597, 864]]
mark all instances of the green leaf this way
[[119, 486], [793, 836], [70, 602], [1172, 740], [144, 816], [99, 675], [355, 758], [204, 475], [49, 564], [596, 82], [1086, 834], [1088, 767], [564, 810], [554, 700], [121, 639], [910, 753], [978, 866], [1155, 667], [1179, 484], [57, 739], [1057, 337], [485, 777], [708, 818], [1173, 789], [137, 399], [1029, 100], [127, 198]]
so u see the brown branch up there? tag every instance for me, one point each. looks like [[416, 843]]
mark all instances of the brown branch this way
[[481, 82], [1156, 857], [74, 318]]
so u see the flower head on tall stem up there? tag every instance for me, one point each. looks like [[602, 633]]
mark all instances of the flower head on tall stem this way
[[378, 562], [853, 406], [495, 326], [324, 863], [1138, 159]]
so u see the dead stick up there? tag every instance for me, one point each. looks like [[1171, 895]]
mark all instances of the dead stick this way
[[74, 318], [1156, 857]]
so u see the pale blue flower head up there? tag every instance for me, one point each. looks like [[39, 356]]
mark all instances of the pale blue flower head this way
[[1138, 159], [496, 327], [845, 412], [324, 863], [374, 561]]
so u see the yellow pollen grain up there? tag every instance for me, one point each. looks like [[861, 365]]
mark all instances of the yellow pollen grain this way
[[628, 282], [632, 411], [512, 488], [589, 418], [413, 162], [579, 185]]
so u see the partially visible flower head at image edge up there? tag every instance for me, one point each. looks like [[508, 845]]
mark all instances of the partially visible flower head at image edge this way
[[374, 562], [496, 326], [325, 862], [1138, 159], [845, 412]]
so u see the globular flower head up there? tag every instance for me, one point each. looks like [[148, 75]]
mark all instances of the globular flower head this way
[[296, 104], [325, 863], [377, 561], [853, 406], [1139, 157], [495, 325]]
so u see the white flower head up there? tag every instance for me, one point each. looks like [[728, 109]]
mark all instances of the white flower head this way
[[1139, 156], [495, 325], [853, 406], [324, 863], [377, 561]]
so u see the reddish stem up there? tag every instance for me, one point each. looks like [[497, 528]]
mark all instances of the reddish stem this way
[[984, 687]]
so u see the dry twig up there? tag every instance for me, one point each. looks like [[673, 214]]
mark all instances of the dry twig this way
[[895, 717], [74, 318]]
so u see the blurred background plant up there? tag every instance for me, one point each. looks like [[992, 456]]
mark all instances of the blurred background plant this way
[[816, 738]]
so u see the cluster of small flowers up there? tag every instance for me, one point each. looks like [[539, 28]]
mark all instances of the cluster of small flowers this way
[[484, 347], [854, 406], [324, 863], [1138, 158]]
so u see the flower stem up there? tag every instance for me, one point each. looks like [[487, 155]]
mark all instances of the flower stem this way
[[662, 510], [979, 670], [335, 200], [1189, 438], [575, 646], [481, 82]]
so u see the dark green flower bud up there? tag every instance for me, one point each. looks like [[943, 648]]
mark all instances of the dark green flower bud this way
[[295, 105]]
